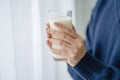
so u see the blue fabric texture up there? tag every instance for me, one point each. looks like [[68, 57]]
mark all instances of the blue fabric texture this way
[[102, 60]]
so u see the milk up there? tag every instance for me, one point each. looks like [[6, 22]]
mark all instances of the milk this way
[[67, 21]]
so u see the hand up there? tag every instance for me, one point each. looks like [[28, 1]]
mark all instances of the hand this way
[[74, 48]]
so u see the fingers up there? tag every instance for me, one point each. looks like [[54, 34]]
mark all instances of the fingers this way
[[61, 35], [49, 35], [48, 43], [71, 44], [59, 42], [48, 27], [64, 28], [62, 52]]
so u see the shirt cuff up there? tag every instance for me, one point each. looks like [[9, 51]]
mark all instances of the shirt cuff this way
[[88, 66]]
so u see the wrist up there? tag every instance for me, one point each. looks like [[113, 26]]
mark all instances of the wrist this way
[[76, 59]]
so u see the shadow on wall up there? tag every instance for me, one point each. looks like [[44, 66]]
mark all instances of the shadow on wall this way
[[83, 12]]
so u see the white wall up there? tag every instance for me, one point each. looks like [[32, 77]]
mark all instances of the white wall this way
[[83, 13]]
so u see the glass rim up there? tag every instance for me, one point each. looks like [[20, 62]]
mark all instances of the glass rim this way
[[58, 10]]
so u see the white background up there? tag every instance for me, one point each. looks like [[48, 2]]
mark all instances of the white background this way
[[23, 51]]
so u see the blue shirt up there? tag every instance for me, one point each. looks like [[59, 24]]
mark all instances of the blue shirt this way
[[102, 60]]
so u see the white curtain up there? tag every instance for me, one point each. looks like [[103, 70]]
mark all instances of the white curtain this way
[[24, 54]]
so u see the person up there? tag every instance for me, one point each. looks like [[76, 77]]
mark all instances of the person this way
[[97, 57]]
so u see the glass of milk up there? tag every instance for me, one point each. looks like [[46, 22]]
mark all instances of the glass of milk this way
[[64, 17]]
